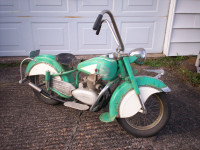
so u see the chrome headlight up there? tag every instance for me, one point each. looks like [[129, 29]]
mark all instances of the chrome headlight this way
[[141, 52]]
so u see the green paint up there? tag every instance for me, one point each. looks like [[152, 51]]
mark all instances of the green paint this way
[[131, 75], [115, 101], [51, 60], [64, 73], [47, 76], [77, 78], [150, 81], [123, 89], [132, 58], [121, 68], [47, 79], [106, 67]]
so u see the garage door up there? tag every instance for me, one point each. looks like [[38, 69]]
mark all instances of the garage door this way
[[57, 26]]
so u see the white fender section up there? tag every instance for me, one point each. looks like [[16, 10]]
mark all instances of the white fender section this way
[[130, 103], [41, 68], [90, 68]]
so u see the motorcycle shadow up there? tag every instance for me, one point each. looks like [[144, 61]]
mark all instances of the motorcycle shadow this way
[[185, 118]]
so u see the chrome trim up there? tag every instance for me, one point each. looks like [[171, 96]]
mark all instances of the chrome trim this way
[[115, 27], [35, 87], [160, 72], [21, 81], [102, 92], [166, 89], [144, 110], [142, 55], [112, 31]]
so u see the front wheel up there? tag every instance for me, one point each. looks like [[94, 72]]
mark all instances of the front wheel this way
[[145, 125]]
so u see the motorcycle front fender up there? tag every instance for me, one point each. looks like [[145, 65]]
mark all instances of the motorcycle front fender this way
[[45, 63], [147, 86]]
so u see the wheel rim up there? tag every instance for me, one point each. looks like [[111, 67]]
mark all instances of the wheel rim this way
[[155, 110]]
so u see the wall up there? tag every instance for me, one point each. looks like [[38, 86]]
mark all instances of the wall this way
[[185, 33]]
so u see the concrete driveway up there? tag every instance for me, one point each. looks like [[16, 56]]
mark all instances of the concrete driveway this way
[[26, 123]]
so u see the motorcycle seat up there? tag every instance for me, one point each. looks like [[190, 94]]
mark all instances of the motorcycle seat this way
[[66, 59]]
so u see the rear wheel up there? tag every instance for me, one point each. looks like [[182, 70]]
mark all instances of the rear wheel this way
[[39, 80], [145, 125]]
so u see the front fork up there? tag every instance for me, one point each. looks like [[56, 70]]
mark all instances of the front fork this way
[[133, 81]]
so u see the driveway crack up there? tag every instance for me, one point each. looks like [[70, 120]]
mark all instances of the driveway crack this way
[[74, 130]]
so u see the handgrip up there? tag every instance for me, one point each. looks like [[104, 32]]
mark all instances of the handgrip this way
[[97, 22], [98, 30]]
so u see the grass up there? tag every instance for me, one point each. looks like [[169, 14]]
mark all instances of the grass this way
[[5, 65], [17, 64], [174, 63], [192, 77], [165, 61]]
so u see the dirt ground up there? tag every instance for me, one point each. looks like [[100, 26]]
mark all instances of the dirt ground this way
[[27, 123]]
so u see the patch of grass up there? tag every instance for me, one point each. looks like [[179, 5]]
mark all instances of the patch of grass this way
[[6, 65], [165, 61], [192, 77], [174, 63]]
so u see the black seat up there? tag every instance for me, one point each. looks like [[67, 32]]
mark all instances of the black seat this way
[[66, 59]]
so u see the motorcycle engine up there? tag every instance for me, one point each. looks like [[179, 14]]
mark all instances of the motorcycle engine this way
[[88, 89]]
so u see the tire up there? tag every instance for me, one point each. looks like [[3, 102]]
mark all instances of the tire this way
[[38, 80], [141, 125]]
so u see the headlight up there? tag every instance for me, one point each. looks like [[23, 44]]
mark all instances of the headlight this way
[[141, 52]]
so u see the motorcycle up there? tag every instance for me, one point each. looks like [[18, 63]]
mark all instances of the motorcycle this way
[[138, 103]]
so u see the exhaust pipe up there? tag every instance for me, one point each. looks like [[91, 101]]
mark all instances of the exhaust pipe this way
[[35, 87], [38, 89]]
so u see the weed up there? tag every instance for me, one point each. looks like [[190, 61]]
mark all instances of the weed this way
[[6, 65], [192, 77], [174, 63], [165, 61]]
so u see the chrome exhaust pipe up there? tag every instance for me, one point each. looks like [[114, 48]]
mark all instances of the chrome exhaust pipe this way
[[35, 87], [38, 89]]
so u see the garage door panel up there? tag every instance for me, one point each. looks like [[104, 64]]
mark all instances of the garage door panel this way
[[9, 5], [137, 34], [139, 5], [11, 38], [143, 32], [88, 40], [143, 8], [51, 36], [94, 5], [10, 34], [48, 5]]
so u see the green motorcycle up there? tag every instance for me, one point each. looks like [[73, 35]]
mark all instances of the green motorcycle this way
[[138, 103]]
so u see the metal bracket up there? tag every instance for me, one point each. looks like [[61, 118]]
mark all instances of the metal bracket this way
[[23, 80], [160, 72]]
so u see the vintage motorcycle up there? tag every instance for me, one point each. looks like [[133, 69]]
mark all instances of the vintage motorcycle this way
[[138, 103]]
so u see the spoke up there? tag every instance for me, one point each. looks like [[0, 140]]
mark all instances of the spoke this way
[[147, 121]]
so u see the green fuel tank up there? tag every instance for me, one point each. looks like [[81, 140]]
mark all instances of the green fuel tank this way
[[104, 66]]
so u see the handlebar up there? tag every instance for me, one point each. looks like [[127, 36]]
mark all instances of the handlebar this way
[[97, 26], [98, 22]]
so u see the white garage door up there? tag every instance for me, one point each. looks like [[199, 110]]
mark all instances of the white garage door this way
[[57, 26]]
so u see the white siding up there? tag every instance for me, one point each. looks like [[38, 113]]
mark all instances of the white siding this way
[[185, 36]]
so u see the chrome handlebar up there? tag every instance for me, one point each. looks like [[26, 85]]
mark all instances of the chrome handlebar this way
[[99, 21]]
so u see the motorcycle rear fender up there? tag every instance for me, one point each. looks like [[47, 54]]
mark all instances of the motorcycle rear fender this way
[[147, 86], [45, 63]]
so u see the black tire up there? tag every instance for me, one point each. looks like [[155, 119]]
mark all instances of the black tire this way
[[136, 125], [38, 80]]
